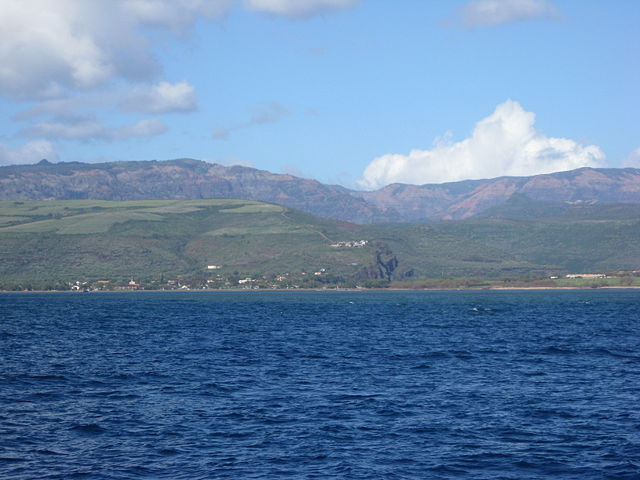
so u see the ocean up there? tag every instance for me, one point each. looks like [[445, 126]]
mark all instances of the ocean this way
[[321, 385]]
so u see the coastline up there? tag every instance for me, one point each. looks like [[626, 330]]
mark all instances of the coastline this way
[[391, 289]]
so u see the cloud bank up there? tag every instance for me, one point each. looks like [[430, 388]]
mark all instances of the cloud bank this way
[[50, 46], [159, 98], [30, 152], [504, 143], [486, 13], [47, 47], [73, 58], [91, 129]]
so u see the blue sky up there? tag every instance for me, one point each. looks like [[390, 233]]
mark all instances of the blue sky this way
[[360, 93]]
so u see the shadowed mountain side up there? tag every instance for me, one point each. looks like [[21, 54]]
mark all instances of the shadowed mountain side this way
[[193, 179]]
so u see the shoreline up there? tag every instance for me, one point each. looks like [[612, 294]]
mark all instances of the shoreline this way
[[229, 290]]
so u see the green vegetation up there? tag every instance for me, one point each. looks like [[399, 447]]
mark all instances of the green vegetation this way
[[222, 243]]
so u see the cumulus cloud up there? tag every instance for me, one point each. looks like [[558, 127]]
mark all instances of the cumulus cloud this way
[[49, 47], [299, 8], [504, 143], [633, 160], [91, 129], [163, 97], [178, 15], [30, 152], [484, 13], [262, 114]]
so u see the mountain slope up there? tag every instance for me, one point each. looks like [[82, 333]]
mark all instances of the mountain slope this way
[[193, 179], [64, 241], [180, 180], [465, 199], [94, 239]]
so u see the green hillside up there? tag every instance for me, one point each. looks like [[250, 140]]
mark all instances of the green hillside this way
[[520, 207], [218, 242], [84, 239]]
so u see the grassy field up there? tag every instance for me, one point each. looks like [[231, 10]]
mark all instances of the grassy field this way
[[88, 240]]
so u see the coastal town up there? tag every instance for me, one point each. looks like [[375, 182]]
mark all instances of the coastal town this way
[[322, 279]]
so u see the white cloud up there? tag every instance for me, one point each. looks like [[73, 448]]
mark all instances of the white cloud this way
[[30, 152], [505, 143], [88, 129], [633, 160], [484, 13], [48, 47], [143, 128], [65, 106], [163, 97], [299, 8], [270, 112], [178, 15]]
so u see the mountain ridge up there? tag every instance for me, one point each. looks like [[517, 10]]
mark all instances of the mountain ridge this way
[[190, 179]]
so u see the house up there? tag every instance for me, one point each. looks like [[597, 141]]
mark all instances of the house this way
[[79, 286], [350, 244], [585, 275], [132, 285]]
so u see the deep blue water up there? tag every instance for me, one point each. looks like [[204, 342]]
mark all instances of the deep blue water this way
[[356, 385]]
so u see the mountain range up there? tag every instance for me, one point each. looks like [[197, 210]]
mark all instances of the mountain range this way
[[185, 179]]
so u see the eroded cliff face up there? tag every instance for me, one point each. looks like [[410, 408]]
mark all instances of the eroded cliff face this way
[[181, 179], [459, 200], [194, 179]]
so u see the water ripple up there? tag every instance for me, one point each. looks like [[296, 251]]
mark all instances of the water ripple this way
[[359, 385]]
